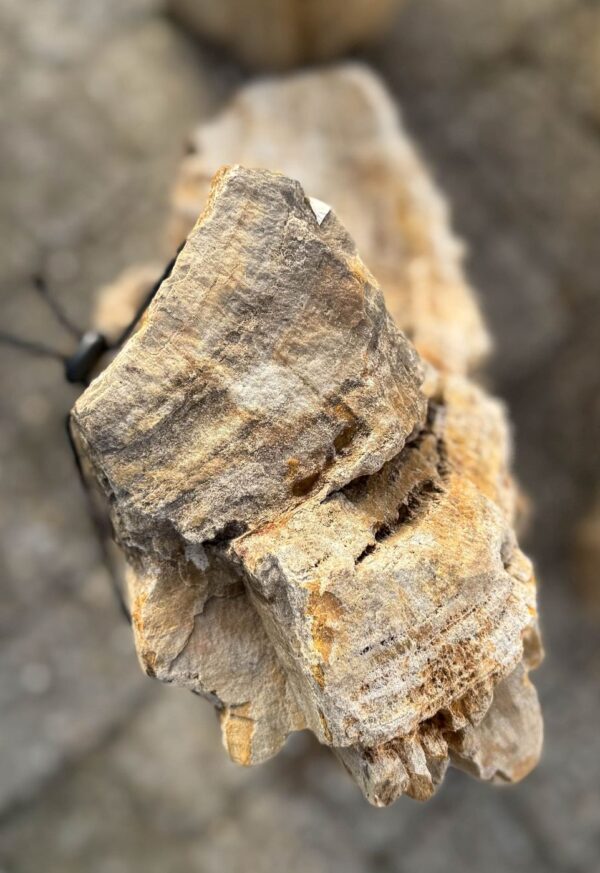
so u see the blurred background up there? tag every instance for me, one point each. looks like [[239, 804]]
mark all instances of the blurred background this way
[[105, 771]]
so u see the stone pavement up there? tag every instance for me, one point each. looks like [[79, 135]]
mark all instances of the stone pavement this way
[[101, 769]]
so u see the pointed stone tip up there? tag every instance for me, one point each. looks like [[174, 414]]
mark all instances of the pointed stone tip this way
[[320, 209]]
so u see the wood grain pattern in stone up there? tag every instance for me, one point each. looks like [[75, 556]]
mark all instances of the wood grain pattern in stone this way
[[319, 525]]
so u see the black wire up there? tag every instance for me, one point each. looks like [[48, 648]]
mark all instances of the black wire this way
[[98, 521], [146, 301], [33, 348], [41, 286]]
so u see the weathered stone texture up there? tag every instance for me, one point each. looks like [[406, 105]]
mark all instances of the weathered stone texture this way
[[319, 525], [338, 132], [285, 328]]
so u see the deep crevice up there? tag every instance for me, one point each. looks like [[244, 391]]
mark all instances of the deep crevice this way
[[231, 531], [368, 550], [415, 501]]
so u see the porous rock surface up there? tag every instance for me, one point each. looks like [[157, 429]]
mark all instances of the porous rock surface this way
[[338, 132], [318, 524], [277, 34]]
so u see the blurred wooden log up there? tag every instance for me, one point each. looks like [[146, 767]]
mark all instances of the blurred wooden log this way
[[275, 34], [319, 526]]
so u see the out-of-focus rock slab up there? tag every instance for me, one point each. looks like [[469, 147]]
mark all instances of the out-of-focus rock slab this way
[[117, 303], [337, 131], [586, 558], [318, 525], [275, 34]]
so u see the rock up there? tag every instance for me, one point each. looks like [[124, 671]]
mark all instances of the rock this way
[[418, 589], [423, 546], [116, 304], [318, 524], [287, 316], [275, 34], [337, 131], [507, 743]]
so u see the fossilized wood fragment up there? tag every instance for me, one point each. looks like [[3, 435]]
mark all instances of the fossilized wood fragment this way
[[399, 603], [267, 368], [272, 342], [197, 629], [380, 619], [338, 132], [282, 33], [319, 526], [507, 743]]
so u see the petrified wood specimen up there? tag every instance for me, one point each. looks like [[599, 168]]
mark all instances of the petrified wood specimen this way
[[337, 131], [283, 33], [318, 524]]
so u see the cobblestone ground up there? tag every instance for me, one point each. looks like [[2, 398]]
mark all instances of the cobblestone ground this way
[[100, 769]]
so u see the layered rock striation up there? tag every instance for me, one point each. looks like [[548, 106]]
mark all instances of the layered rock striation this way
[[318, 522]]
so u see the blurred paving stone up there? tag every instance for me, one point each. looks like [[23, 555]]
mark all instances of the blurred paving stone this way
[[299, 811], [64, 683], [209, 815], [586, 558]]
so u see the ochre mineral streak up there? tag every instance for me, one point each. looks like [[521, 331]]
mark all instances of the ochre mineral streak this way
[[275, 34], [318, 523], [338, 132]]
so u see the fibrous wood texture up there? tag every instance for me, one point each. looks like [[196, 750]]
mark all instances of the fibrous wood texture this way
[[338, 132], [318, 523], [284, 33]]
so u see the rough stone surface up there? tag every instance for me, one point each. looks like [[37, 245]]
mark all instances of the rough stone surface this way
[[507, 743], [284, 328], [326, 316], [318, 537], [337, 131], [284, 33]]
